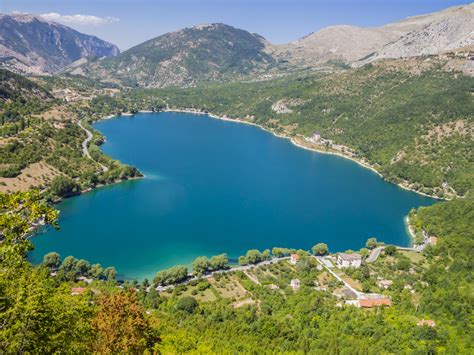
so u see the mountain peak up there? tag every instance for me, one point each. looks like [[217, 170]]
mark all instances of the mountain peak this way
[[199, 53]]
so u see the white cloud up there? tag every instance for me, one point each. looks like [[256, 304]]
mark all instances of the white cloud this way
[[79, 20]]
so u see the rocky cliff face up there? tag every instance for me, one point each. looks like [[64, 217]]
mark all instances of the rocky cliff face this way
[[433, 33], [30, 44]]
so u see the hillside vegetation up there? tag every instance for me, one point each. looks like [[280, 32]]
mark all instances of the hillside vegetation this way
[[412, 121], [49, 308], [40, 142], [200, 53]]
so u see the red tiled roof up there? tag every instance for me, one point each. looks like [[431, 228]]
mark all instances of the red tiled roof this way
[[375, 302]]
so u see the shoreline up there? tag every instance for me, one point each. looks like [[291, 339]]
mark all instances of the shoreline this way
[[299, 145], [409, 230]]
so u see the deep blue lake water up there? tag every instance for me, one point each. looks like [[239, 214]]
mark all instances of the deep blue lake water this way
[[213, 186]]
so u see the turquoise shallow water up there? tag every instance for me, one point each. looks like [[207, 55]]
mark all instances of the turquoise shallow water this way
[[213, 186]]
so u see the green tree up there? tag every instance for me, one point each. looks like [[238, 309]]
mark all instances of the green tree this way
[[96, 271], [69, 263], [172, 275], [200, 265], [320, 249], [390, 250], [83, 267], [243, 260], [62, 186], [253, 256], [32, 309], [371, 243], [364, 252], [187, 304], [219, 262], [266, 254], [52, 260], [403, 263], [279, 252], [110, 273]]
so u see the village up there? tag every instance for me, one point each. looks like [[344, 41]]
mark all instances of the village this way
[[378, 276]]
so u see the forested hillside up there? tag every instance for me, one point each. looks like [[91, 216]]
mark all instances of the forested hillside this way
[[412, 120], [40, 141]]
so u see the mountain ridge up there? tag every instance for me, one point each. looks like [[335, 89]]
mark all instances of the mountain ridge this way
[[30, 44], [183, 57]]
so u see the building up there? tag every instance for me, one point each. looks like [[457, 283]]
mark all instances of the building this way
[[348, 260], [295, 284], [294, 258], [432, 240], [375, 302], [426, 322], [316, 137]]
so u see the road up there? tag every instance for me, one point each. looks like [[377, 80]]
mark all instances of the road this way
[[235, 268], [85, 143], [358, 293], [374, 254]]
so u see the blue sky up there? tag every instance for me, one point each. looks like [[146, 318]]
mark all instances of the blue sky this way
[[129, 22]]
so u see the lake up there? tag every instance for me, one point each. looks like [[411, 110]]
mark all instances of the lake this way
[[214, 187]]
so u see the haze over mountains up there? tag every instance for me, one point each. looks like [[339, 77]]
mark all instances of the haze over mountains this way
[[33, 45], [218, 51]]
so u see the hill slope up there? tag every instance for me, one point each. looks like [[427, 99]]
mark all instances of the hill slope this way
[[30, 44], [433, 33], [14, 86], [199, 53]]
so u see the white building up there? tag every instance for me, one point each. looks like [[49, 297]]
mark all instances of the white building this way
[[294, 258], [348, 260], [295, 284]]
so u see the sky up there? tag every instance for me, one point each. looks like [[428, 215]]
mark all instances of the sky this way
[[130, 22]]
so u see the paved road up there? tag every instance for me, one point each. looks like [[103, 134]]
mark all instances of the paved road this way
[[358, 293], [85, 151], [374, 254], [235, 268], [85, 143]]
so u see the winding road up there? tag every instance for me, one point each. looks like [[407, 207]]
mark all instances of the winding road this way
[[85, 143]]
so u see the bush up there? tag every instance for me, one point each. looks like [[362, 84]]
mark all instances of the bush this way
[[187, 304], [390, 250], [62, 186]]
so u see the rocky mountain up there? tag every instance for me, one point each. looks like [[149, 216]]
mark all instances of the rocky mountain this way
[[217, 52], [200, 53], [30, 44], [433, 33]]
